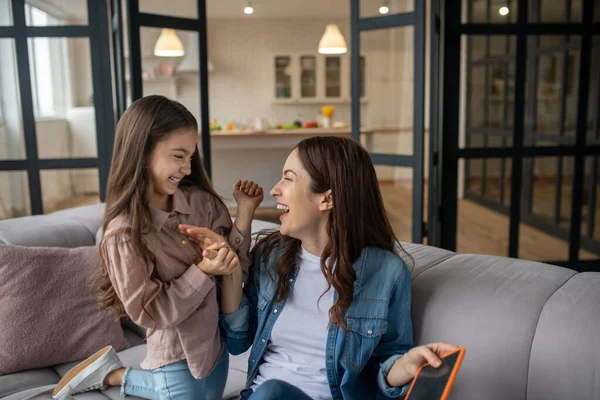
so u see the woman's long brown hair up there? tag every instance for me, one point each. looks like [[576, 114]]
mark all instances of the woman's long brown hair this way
[[143, 125], [357, 220]]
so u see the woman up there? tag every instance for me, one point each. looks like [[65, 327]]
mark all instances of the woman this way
[[309, 340]]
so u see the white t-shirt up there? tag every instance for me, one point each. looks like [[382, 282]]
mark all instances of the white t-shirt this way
[[296, 349]]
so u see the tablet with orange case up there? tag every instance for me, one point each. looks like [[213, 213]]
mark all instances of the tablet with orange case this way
[[435, 383]]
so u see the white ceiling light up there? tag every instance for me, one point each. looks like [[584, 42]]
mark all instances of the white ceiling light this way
[[168, 44], [503, 11], [190, 62], [384, 9], [332, 41], [248, 9]]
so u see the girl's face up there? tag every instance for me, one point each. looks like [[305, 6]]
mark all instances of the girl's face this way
[[305, 213], [169, 163]]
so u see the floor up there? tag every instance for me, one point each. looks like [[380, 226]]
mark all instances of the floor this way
[[480, 230]]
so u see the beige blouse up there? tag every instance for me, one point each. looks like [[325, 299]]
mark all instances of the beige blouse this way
[[173, 298]]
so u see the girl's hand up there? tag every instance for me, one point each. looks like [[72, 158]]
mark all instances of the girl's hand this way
[[225, 262], [247, 194], [405, 368], [204, 237]]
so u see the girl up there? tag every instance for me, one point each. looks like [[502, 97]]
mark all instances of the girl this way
[[309, 341], [151, 272]]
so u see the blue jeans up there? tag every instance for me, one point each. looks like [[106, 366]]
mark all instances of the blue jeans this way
[[274, 389], [175, 382]]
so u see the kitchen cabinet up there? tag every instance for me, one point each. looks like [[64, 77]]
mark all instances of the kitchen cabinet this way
[[314, 78]]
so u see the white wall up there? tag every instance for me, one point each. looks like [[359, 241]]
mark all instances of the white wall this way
[[241, 86]]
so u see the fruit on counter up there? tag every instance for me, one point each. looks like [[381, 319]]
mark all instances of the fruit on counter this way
[[230, 126], [298, 123], [311, 124], [213, 125], [327, 111], [289, 126]]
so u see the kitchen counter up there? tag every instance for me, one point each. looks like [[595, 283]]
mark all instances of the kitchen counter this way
[[260, 155], [286, 132]]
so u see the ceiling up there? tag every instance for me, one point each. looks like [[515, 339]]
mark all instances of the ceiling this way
[[322, 9]]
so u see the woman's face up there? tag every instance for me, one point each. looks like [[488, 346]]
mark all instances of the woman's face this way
[[305, 212]]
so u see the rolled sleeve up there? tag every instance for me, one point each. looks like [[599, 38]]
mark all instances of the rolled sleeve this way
[[390, 391], [237, 321]]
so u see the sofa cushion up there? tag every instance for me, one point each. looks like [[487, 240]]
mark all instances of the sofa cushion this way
[[48, 315], [24, 380]]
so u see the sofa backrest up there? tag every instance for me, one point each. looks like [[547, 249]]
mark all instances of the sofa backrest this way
[[530, 329], [68, 228]]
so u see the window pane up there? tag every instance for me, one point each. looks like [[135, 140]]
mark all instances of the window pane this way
[[477, 11], [555, 11], [177, 8], [378, 8], [483, 222], [333, 76], [55, 13], [61, 83], [308, 75], [593, 125], [389, 115], [63, 189], [396, 188], [5, 13], [14, 194], [12, 143], [590, 210], [283, 77], [546, 219], [552, 87]]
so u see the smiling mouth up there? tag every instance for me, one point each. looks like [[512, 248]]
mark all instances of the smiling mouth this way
[[283, 207], [174, 180]]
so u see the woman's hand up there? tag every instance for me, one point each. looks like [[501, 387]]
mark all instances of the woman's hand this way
[[225, 262], [405, 368]]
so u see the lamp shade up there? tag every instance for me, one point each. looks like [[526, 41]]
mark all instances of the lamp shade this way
[[332, 41], [168, 44]]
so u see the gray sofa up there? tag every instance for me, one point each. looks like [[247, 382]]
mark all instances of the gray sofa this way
[[531, 330]]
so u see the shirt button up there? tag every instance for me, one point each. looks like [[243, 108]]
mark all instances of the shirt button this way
[[237, 240], [194, 258], [370, 332], [184, 242], [291, 280], [333, 386], [330, 357], [275, 311], [175, 227], [263, 340], [253, 360]]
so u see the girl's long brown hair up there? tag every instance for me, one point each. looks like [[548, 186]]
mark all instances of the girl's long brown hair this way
[[357, 220], [143, 125]]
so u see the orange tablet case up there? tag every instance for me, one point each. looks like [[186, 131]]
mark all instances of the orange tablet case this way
[[450, 383]]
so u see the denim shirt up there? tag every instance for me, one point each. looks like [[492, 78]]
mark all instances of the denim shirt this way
[[358, 359]]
